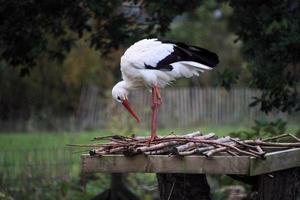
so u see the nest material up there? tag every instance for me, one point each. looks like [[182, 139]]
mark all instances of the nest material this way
[[189, 144]]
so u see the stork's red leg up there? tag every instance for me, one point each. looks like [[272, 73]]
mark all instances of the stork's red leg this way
[[156, 101]]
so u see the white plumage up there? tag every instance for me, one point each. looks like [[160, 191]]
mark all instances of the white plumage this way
[[154, 64], [150, 52]]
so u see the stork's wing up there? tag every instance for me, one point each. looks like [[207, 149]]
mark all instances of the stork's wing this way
[[146, 52], [183, 52], [163, 55]]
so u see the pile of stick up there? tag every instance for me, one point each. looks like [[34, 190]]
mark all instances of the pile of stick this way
[[189, 144]]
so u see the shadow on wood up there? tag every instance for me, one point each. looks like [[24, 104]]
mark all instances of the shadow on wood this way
[[117, 190], [183, 187], [284, 184]]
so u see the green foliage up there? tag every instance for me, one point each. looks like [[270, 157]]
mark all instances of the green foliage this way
[[17, 182], [263, 129], [33, 28], [226, 78], [207, 26], [269, 31], [46, 33], [28, 25], [48, 189], [52, 91], [37, 97]]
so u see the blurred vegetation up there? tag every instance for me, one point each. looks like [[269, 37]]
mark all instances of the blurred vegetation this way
[[207, 26], [50, 49], [265, 129], [271, 44], [33, 158], [67, 44], [35, 28], [28, 162], [58, 47], [50, 140]]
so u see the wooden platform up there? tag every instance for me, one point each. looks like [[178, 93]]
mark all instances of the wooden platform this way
[[242, 165]]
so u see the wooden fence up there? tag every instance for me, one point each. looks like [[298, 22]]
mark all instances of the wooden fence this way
[[181, 107]]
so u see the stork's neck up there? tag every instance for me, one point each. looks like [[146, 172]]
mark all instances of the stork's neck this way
[[123, 84]]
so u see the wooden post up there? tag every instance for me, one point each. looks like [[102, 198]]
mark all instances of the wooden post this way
[[284, 184], [117, 191], [275, 178], [183, 187]]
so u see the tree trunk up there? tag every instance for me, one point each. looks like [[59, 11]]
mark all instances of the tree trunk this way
[[183, 187], [280, 185]]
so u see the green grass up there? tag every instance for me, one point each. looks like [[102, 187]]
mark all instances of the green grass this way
[[46, 154], [40, 149], [50, 149], [42, 140], [49, 140]]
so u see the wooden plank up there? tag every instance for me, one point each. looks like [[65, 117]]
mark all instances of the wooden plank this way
[[166, 164], [242, 165], [275, 161]]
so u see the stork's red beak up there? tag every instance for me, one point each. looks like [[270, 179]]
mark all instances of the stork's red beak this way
[[130, 110]]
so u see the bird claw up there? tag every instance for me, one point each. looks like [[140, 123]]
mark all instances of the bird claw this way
[[152, 139]]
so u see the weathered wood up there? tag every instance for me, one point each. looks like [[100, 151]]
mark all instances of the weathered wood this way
[[183, 186], [275, 161], [280, 185], [188, 145], [166, 164], [184, 145], [241, 165]]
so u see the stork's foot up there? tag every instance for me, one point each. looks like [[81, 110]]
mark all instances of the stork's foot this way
[[152, 139]]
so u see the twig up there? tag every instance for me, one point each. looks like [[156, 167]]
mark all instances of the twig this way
[[191, 143], [194, 134], [184, 147], [171, 191], [276, 137], [231, 153], [84, 145], [275, 144], [116, 150], [242, 143], [186, 153], [157, 146], [211, 152], [157, 152], [259, 149], [293, 136]]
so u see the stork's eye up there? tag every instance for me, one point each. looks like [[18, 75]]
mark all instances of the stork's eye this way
[[119, 98]]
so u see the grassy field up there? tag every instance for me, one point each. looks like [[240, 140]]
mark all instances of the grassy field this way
[[41, 156], [42, 151], [48, 140], [51, 149], [53, 140], [45, 156], [48, 154]]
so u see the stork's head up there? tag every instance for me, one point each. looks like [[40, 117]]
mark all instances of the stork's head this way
[[120, 94]]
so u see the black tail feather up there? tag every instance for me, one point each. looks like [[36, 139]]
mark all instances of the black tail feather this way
[[199, 54], [194, 53]]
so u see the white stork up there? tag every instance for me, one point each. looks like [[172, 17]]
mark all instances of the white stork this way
[[154, 63]]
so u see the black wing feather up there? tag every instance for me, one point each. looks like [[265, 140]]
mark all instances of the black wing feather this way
[[184, 52], [164, 67]]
